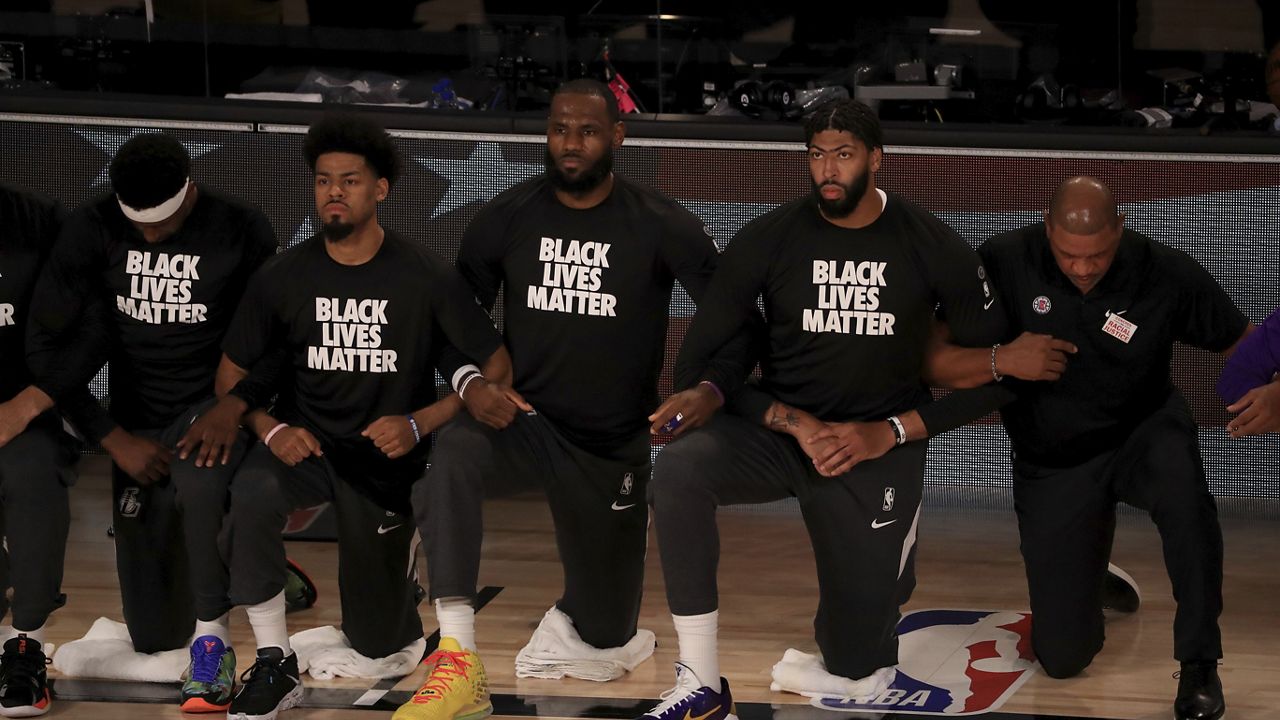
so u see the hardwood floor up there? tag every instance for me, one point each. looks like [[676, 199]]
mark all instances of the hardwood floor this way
[[967, 560]]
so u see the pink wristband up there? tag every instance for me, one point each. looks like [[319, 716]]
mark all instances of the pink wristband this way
[[712, 385], [272, 433]]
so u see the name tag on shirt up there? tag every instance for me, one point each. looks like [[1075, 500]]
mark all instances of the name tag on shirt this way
[[1119, 328]]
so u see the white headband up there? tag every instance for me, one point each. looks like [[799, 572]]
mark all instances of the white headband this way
[[159, 213]]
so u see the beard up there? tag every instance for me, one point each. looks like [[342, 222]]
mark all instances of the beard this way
[[589, 178], [335, 230], [853, 194]]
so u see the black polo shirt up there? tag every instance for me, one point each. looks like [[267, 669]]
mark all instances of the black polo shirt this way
[[1121, 373]]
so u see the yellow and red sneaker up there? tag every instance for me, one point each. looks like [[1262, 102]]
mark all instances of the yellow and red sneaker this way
[[455, 689]]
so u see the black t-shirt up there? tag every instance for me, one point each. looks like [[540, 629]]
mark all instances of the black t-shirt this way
[[586, 297], [848, 311], [164, 307], [362, 340], [28, 226], [1157, 296]]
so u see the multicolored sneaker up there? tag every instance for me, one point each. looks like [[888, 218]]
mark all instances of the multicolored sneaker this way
[[299, 592], [24, 689], [690, 699], [456, 687], [211, 676], [271, 686]]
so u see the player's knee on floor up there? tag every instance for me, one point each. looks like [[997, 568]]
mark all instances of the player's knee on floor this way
[[1064, 658]]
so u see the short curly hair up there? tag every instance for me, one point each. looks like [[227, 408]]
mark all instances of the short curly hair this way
[[351, 133], [149, 169], [846, 115]]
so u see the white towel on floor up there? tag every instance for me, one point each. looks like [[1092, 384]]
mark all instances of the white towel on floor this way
[[555, 650], [326, 653], [805, 674], [106, 651]]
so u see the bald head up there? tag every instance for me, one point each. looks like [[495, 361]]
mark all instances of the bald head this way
[[1082, 206], [1084, 230]]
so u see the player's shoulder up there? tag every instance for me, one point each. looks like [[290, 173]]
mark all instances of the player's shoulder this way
[[780, 221], [517, 198], [416, 255], [16, 200], [1016, 243], [655, 209], [921, 225]]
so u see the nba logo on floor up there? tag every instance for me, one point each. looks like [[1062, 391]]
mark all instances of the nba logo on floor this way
[[953, 662]]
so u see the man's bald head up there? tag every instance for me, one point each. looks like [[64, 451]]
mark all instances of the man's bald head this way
[[1082, 206], [1084, 230]]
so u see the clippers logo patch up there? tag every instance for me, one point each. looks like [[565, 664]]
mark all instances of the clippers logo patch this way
[[1041, 305], [888, 499], [130, 503], [1119, 328], [628, 481], [952, 662]]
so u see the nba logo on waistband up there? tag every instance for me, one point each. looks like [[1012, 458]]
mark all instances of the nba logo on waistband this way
[[952, 662], [627, 481], [130, 505], [888, 499]]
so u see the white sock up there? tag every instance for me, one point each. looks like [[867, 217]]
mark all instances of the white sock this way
[[37, 634], [219, 627], [267, 621], [457, 620], [697, 637]]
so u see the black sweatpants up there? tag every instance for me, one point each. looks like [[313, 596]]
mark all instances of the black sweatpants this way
[[1066, 518], [36, 469], [862, 526], [376, 575], [597, 504], [170, 567]]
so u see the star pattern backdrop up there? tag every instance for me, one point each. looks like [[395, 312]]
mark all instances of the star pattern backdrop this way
[[1221, 211]]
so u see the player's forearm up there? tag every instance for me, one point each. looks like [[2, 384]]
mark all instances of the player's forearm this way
[[795, 422]]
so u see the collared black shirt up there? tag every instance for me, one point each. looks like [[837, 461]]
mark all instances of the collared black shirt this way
[[1110, 385]]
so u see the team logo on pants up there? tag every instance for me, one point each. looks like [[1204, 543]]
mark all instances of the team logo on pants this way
[[628, 480], [888, 499], [952, 662], [130, 503]]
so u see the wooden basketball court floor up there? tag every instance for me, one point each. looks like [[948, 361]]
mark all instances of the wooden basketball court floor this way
[[967, 560]]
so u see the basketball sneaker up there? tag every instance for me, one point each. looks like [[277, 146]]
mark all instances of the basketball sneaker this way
[[456, 687], [691, 699], [211, 676], [299, 592], [269, 687], [1120, 591], [24, 689]]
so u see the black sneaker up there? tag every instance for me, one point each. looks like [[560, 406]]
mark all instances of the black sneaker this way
[[1120, 591], [24, 690], [1199, 692], [271, 685]]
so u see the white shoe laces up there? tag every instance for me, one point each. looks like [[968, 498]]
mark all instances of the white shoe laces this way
[[686, 685]]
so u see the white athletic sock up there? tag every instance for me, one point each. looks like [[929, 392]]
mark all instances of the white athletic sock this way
[[697, 637], [267, 621], [219, 627], [11, 632], [457, 619]]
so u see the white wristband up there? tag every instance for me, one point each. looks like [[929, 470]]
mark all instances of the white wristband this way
[[465, 383], [461, 374], [272, 433]]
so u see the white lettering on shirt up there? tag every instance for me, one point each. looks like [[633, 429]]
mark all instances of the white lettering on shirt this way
[[572, 278], [848, 299], [160, 288]]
